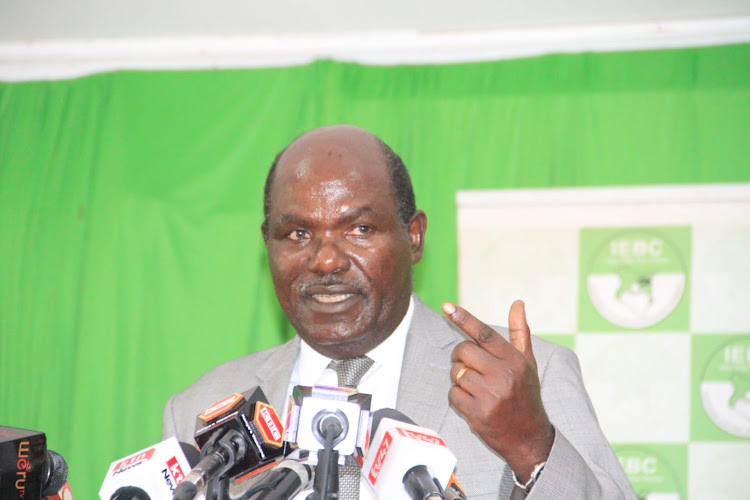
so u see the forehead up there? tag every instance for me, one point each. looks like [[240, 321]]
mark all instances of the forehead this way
[[331, 164]]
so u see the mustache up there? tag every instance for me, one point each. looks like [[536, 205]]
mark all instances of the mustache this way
[[330, 280]]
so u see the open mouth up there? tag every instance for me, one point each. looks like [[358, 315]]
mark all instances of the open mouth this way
[[332, 299]]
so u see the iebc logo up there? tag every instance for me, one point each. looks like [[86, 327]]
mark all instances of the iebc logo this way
[[635, 277], [650, 473], [725, 387]]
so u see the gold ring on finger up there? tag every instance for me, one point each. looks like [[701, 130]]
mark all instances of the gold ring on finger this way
[[460, 374]]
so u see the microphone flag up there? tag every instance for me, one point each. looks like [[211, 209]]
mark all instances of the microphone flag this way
[[157, 470], [22, 457]]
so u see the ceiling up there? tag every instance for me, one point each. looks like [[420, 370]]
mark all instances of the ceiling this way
[[40, 20]]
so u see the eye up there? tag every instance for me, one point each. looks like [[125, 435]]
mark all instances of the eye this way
[[298, 235], [361, 230]]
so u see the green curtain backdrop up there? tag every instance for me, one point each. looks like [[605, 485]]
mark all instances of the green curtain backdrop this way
[[130, 203]]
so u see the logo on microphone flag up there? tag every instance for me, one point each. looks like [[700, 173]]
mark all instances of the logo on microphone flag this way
[[419, 436], [268, 424], [175, 470], [220, 407], [377, 465], [133, 460]]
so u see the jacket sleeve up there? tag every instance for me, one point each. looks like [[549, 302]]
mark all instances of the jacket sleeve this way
[[581, 463]]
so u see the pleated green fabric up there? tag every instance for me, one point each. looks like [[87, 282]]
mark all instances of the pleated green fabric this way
[[131, 259]]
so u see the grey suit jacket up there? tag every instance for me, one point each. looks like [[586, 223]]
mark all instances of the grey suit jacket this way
[[581, 464]]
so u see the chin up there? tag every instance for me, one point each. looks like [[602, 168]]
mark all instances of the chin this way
[[341, 343], [336, 337]]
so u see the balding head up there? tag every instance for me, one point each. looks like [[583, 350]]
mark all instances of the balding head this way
[[355, 138], [339, 249]]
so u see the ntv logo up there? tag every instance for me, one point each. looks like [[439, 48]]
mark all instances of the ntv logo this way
[[634, 277]]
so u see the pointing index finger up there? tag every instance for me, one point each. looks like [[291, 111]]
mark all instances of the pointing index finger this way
[[483, 335]]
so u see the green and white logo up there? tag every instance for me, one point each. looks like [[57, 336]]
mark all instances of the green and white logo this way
[[656, 472], [725, 387], [634, 278]]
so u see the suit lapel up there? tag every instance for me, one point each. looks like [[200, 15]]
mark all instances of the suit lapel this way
[[274, 373], [425, 379]]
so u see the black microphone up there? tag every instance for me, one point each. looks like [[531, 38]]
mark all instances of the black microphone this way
[[452, 493], [227, 450], [130, 493], [329, 427], [406, 461], [237, 433], [55, 473], [282, 482], [27, 468]]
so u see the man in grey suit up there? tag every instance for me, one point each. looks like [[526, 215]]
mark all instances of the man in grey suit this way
[[342, 233]]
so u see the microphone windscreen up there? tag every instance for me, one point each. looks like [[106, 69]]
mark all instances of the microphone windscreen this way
[[130, 493], [55, 474], [191, 453]]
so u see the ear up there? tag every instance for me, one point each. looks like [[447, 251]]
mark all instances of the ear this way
[[417, 229], [264, 231]]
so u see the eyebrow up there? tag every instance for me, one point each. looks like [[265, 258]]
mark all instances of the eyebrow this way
[[348, 216]]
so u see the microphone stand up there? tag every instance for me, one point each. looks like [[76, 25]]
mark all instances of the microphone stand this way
[[234, 444], [326, 482], [420, 485]]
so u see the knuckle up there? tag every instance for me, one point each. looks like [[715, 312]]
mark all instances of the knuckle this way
[[463, 349], [453, 396], [486, 334], [485, 413]]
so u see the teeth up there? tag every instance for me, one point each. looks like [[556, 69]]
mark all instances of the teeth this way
[[331, 299]]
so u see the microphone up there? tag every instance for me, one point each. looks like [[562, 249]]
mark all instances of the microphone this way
[[280, 482], [238, 433], [334, 421], [318, 411], [454, 490], [130, 493], [63, 493], [55, 473], [453, 494], [149, 474], [406, 461], [27, 468]]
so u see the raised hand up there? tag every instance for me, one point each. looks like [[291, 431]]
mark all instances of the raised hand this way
[[497, 389]]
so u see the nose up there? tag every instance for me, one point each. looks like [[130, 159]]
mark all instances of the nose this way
[[327, 257]]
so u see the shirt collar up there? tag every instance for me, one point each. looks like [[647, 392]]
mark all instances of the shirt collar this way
[[388, 353]]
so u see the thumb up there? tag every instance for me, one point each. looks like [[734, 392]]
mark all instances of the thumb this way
[[519, 333]]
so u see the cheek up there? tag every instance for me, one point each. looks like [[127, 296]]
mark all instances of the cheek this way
[[388, 270], [283, 273]]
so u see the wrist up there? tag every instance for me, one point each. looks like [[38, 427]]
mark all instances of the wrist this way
[[527, 458], [535, 473]]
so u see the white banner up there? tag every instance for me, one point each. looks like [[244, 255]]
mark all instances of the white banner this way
[[651, 287]]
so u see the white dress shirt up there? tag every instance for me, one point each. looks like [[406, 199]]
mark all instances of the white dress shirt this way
[[381, 380]]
